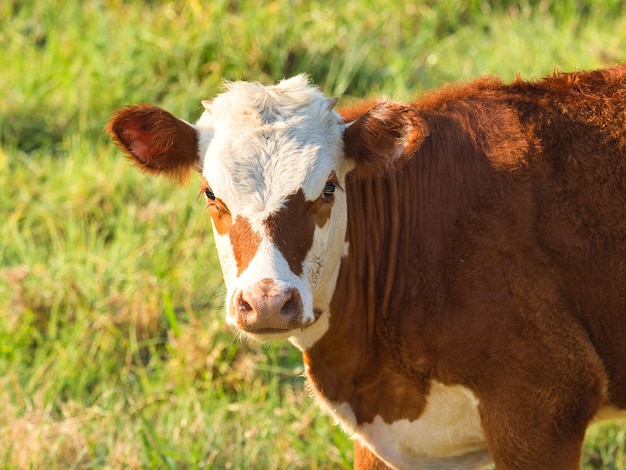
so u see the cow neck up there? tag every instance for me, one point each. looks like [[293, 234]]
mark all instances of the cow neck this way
[[363, 326], [373, 232]]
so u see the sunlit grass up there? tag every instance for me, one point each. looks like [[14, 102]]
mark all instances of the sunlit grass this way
[[113, 348]]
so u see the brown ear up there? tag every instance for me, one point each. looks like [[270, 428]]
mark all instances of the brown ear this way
[[384, 138], [155, 141]]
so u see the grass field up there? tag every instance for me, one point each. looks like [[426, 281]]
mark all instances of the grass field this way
[[113, 352]]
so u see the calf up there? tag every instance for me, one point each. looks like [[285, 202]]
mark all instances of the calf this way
[[453, 269]]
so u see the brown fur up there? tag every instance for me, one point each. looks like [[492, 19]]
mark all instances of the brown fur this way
[[495, 259], [245, 242], [291, 229], [221, 216], [363, 458], [149, 136], [384, 130]]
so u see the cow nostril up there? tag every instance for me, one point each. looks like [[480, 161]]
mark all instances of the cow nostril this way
[[289, 309], [293, 306], [242, 304]]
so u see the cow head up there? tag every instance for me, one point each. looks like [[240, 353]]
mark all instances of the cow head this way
[[273, 163]]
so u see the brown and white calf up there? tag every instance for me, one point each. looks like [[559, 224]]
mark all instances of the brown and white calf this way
[[453, 270]]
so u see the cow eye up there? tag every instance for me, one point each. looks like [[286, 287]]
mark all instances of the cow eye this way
[[328, 192], [209, 194]]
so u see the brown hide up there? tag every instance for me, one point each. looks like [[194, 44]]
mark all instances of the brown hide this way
[[493, 257], [155, 141]]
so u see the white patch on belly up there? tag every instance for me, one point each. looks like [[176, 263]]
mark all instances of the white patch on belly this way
[[447, 434]]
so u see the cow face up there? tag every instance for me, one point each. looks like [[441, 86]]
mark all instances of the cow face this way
[[273, 163], [274, 179], [273, 174]]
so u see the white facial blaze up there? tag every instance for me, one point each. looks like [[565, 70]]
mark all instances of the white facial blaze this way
[[226, 257], [265, 145], [324, 259]]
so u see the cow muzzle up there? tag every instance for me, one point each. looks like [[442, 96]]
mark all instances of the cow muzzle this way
[[267, 307]]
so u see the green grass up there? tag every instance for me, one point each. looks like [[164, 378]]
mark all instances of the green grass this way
[[113, 351]]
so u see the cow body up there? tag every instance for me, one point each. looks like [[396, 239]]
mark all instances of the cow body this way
[[453, 270]]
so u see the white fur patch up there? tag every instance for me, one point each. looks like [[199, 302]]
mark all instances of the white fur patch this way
[[447, 434], [346, 250], [307, 337], [226, 257]]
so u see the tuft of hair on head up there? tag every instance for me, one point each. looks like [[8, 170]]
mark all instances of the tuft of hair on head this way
[[271, 103]]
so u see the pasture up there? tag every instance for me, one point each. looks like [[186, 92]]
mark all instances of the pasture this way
[[113, 350]]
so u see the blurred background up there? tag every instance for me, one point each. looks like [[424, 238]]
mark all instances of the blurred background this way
[[113, 349]]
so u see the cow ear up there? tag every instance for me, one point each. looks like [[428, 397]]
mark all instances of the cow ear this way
[[156, 141], [383, 138]]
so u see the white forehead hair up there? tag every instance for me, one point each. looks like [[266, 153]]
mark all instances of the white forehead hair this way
[[269, 102], [268, 142]]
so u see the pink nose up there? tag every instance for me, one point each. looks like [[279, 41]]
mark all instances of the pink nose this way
[[266, 307]]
